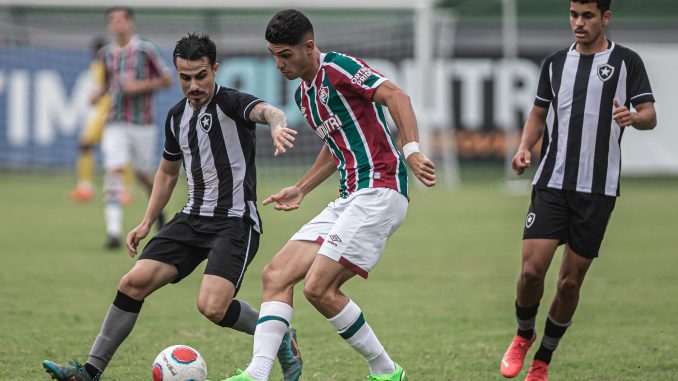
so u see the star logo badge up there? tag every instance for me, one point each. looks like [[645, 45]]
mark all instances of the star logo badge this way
[[605, 72], [205, 122]]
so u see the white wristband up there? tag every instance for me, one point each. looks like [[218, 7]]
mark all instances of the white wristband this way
[[410, 148]]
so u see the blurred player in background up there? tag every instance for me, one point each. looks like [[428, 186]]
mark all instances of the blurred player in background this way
[[342, 99], [135, 69], [583, 99], [90, 137], [212, 132]]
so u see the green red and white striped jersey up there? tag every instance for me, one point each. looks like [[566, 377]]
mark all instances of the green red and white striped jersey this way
[[338, 106], [140, 59]]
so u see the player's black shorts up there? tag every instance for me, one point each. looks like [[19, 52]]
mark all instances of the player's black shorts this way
[[576, 218], [228, 244]]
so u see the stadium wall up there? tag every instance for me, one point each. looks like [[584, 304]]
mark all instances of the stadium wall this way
[[44, 83]]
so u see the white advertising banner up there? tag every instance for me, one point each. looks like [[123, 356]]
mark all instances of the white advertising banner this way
[[656, 152]]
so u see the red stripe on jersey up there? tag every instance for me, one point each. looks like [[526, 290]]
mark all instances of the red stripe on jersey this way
[[339, 139], [384, 161]]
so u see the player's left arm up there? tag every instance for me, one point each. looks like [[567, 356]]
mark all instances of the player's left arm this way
[[643, 118], [400, 108], [283, 137]]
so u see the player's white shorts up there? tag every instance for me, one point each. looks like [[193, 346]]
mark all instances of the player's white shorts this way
[[126, 144], [353, 231]]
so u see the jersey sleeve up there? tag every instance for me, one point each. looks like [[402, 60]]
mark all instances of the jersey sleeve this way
[[171, 151], [544, 90], [238, 105], [354, 75], [156, 62], [637, 82]]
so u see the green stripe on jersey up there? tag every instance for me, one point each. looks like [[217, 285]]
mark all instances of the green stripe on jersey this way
[[353, 135], [343, 186], [352, 66], [347, 63]]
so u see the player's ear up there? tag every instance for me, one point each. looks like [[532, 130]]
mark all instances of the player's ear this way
[[309, 45], [215, 67], [606, 18]]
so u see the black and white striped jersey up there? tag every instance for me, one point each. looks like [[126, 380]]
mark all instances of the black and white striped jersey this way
[[581, 146], [217, 145]]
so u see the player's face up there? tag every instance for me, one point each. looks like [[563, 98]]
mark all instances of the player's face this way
[[119, 24], [587, 22], [197, 80], [292, 60]]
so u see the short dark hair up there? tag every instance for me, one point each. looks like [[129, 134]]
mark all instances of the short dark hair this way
[[128, 11], [193, 47], [288, 26], [603, 5]]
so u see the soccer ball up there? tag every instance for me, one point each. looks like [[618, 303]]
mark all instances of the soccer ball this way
[[179, 363]]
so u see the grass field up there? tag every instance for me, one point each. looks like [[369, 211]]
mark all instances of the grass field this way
[[441, 299]]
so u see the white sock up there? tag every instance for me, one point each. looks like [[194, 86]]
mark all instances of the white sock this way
[[352, 327], [113, 209], [273, 323], [113, 213]]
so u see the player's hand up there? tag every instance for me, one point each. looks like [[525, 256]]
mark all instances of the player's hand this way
[[283, 138], [422, 168], [621, 114], [521, 161], [135, 236], [287, 199]]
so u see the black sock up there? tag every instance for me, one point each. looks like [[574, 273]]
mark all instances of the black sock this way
[[553, 332], [526, 317], [93, 372]]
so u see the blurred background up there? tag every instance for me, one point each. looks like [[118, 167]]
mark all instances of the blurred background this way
[[480, 63]]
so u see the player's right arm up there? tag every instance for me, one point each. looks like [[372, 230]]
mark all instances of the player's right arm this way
[[532, 131], [290, 198], [163, 185]]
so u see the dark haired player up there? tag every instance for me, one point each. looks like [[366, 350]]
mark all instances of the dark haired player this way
[[342, 99], [212, 133], [584, 95]]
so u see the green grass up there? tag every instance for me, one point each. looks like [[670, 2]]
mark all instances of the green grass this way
[[441, 299]]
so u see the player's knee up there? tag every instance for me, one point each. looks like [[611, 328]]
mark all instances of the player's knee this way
[[531, 276], [272, 277], [134, 285], [568, 287], [316, 293], [213, 311]]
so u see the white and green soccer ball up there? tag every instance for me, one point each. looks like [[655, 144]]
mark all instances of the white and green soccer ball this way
[[179, 363]]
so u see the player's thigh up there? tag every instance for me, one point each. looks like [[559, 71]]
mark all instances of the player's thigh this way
[[115, 146], [537, 255], [590, 214], [358, 237], [145, 277], [233, 249], [290, 265], [215, 294], [326, 275], [178, 245], [143, 145]]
